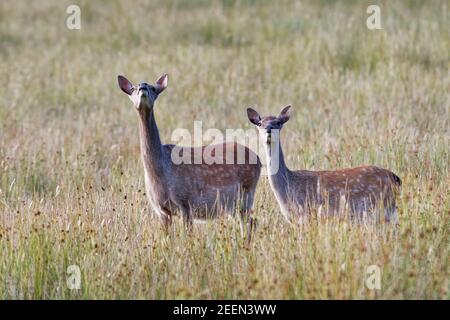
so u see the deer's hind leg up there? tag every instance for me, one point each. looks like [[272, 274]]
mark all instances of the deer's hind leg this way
[[247, 222], [245, 198], [247, 201], [251, 222], [390, 213], [388, 209]]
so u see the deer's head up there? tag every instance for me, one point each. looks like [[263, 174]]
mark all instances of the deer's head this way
[[143, 95], [271, 125]]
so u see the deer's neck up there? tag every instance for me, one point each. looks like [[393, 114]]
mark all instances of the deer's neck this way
[[279, 176], [277, 170], [151, 148]]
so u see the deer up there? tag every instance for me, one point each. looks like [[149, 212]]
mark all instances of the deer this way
[[359, 192], [195, 189]]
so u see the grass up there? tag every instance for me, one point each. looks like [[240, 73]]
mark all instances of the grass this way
[[71, 180]]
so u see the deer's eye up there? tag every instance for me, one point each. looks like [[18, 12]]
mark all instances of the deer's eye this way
[[259, 124]]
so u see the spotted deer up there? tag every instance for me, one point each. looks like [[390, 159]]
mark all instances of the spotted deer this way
[[197, 190], [363, 191]]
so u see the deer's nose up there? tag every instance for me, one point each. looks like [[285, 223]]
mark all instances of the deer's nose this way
[[143, 89]]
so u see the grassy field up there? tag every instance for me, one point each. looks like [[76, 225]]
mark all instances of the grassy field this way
[[71, 180]]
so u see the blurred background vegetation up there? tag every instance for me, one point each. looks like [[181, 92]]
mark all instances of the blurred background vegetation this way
[[70, 172]]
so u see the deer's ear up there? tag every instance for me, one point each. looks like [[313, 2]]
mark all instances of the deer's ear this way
[[125, 85], [285, 114], [161, 83], [253, 116]]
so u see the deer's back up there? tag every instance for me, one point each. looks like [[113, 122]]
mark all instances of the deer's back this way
[[363, 187], [219, 165], [360, 179]]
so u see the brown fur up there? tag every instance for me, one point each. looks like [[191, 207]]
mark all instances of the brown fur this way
[[363, 190], [200, 190]]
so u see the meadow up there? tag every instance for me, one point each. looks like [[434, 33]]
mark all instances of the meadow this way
[[71, 178]]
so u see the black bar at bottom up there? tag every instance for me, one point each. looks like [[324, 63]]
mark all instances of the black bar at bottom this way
[[225, 309]]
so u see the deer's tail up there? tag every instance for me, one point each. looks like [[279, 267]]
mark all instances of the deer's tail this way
[[396, 179]]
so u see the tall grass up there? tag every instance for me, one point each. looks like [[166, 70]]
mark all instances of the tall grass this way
[[71, 181]]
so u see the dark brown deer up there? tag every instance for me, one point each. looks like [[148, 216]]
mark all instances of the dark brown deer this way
[[197, 190]]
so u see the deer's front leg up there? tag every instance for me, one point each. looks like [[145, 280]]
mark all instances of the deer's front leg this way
[[166, 218], [187, 217]]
